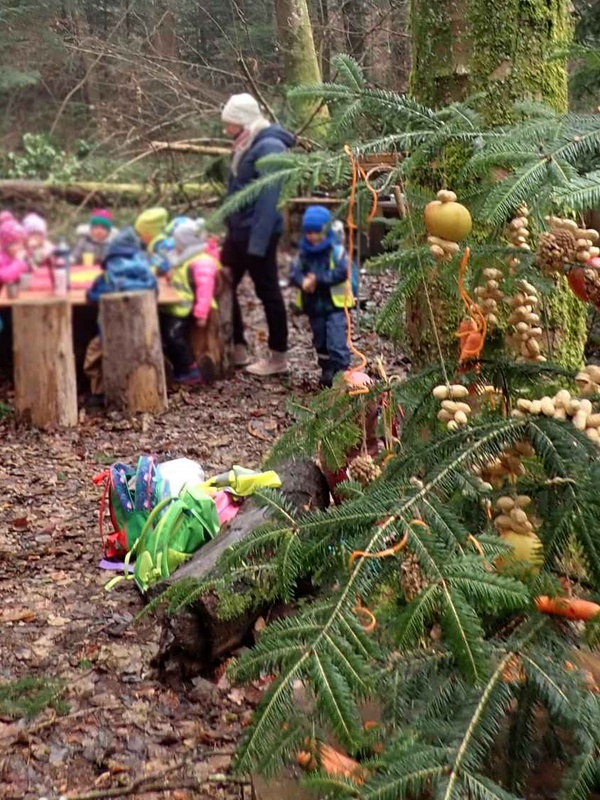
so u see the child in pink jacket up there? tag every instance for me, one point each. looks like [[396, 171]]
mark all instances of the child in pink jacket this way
[[12, 251], [194, 265]]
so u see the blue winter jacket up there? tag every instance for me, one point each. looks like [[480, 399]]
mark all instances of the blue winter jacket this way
[[319, 260], [124, 269], [260, 219]]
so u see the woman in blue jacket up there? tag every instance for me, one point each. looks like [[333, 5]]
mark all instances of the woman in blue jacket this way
[[253, 232]]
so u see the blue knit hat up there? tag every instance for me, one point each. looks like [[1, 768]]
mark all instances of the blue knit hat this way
[[316, 219]]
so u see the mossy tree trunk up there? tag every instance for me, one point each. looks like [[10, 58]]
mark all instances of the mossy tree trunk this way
[[500, 49], [300, 55]]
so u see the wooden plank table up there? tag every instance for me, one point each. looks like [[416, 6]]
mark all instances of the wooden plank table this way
[[57, 365], [77, 295]]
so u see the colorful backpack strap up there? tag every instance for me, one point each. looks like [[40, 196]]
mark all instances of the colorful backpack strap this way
[[145, 483]]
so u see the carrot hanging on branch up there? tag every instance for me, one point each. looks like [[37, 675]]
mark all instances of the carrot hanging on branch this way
[[568, 607]]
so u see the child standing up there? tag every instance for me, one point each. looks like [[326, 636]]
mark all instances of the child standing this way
[[152, 226], [95, 240], [12, 251], [321, 273], [39, 249], [193, 272]]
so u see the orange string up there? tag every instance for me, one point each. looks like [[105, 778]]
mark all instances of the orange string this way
[[371, 621], [357, 171], [472, 330]]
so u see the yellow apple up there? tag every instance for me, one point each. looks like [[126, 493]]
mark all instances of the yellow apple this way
[[450, 221]]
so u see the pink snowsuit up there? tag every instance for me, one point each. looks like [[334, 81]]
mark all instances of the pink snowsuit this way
[[11, 268], [204, 275]]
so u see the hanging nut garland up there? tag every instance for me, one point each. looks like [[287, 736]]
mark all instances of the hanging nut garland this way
[[526, 321], [508, 466], [588, 379], [563, 407], [453, 412], [518, 234], [490, 295]]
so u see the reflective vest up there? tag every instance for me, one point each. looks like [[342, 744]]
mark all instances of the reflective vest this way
[[180, 281], [342, 295]]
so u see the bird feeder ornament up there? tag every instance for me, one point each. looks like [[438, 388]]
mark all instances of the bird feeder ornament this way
[[564, 407], [448, 223], [518, 234], [489, 295], [526, 322], [568, 248]]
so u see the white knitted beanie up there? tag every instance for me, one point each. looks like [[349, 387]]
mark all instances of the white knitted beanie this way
[[241, 109]]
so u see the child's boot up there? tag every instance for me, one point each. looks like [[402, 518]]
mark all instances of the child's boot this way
[[191, 377], [275, 364]]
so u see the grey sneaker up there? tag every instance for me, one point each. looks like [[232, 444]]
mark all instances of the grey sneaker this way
[[240, 355], [274, 364]]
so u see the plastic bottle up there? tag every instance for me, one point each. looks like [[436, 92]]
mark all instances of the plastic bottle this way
[[62, 259]]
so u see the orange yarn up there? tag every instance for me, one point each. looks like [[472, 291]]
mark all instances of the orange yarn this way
[[473, 328], [358, 387]]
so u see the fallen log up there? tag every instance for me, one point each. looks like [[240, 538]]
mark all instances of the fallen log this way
[[188, 147], [118, 193], [194, 641]]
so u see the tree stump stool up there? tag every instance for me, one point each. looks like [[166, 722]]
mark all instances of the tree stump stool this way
[[213, 344], [44, 363], [133, 367]]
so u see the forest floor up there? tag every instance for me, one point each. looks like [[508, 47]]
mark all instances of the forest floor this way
[[120, 725]]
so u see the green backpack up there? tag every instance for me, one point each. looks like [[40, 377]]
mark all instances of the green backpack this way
[[176, 528]]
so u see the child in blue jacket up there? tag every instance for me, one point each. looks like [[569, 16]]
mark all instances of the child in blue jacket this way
[[125, 268], [321, 273]]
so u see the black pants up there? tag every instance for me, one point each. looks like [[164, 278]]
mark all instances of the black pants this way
[[176, 342], [263, 272]]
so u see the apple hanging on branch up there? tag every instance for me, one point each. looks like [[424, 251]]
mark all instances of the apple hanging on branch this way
[[447, 223]]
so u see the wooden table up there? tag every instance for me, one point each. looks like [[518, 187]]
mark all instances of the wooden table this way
[[77, 295], [44, 360]]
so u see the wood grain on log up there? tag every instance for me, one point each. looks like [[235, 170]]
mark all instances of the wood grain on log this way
[[132, 360], [44, 363]]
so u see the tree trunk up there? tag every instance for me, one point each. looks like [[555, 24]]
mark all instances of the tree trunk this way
[[325, 39], [300, 57], [399, 46], [499, 49], [132, 361], [195, 640], [460, 47], [45, 383], [355, 15]]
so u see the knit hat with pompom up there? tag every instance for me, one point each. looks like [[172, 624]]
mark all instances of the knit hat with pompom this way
[[33, 224], [102, 217], [11, 232]]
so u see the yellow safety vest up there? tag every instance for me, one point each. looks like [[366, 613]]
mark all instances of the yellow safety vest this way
[[341, 294], [180, 281]]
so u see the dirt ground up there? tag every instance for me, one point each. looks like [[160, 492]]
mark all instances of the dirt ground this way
[[58, 622]]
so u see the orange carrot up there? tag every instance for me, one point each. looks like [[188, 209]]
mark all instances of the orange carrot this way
[[568, 607]]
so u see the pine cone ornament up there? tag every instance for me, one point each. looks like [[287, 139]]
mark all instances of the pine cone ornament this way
[[364, 470], [412, 580], [549, 254]]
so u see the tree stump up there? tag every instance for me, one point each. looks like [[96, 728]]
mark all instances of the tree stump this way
[[193, 641], [44, 363], [213, 345], [132, 360]]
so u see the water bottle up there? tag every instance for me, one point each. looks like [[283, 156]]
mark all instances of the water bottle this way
[[62, 258]]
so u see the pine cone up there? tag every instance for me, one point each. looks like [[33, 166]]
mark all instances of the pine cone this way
[[567, 244], [549, 253], [412, 580], [364, 470]]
